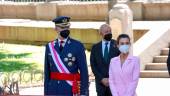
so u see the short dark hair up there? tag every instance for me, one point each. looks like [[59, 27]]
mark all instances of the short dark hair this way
[[122, 36]]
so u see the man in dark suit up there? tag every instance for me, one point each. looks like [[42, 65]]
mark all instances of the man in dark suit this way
[[65, 64], [101, 55], [168, 63]]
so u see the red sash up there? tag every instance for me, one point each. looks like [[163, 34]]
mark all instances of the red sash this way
[[64, 76]]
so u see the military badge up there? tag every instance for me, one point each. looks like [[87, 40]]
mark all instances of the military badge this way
[[69, 42], [70, 59], [73, 58], [66, 59], [69, 55], [64, 21], [70, 63], [49, 54]]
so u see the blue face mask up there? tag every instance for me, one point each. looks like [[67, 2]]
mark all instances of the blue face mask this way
[[124, 48]]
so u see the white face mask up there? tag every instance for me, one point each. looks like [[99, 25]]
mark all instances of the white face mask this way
[[124, 48]]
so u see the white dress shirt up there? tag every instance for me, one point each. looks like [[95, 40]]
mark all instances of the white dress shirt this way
[[103, 46], [63, 44]]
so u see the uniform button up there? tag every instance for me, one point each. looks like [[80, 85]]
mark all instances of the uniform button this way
[[49, 54], [58, 82]]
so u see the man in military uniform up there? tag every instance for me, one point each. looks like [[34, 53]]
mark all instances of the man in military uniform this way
[[65, 63]]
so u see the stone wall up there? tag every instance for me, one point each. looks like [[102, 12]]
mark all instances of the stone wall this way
[[24, 11], [84, 12], [90, 11], [156, 11], [42, 35], [48, 11]]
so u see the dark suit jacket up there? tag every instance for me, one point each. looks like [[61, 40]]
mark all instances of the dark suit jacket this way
[[168, 62], [100, 68]]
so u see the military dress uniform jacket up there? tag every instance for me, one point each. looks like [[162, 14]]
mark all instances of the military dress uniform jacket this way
[[74, 58]]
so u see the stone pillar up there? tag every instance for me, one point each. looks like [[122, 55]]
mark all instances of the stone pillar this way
[[110, 5], [120, 20]]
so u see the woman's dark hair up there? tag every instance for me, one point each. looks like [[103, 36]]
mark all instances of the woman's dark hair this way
[[122, 36]]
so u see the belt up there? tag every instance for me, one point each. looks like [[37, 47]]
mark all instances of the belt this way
[[65, 76]]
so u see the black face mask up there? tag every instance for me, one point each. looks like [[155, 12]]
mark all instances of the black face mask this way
[[108, 37], [65, 33]]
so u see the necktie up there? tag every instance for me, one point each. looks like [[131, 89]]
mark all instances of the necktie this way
[[61, 45], [106, 52]]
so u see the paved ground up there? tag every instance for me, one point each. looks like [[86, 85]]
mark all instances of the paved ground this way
[[146, 87]]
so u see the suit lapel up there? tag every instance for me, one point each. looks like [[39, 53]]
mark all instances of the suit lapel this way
[[56, 46], [125, 67], [120, 69], [100, 51], [66, 45], [126, 63], [111, 50]]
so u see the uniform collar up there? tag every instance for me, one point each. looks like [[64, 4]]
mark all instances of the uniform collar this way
[[104, 41], [65, 40]]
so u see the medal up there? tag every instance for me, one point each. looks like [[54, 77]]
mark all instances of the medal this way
[[73, 58], [70, 59], [65, 59], [69, 55], [70, 63]]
